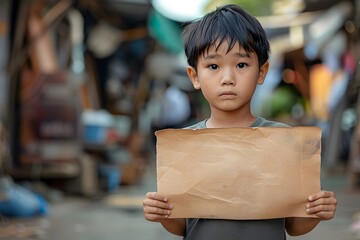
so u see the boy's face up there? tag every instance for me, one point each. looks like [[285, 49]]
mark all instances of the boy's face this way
[[228, 79]]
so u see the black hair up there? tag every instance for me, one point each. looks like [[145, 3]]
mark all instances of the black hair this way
[[227, 23]]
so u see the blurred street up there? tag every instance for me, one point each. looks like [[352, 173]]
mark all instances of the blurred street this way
[[119, 216]]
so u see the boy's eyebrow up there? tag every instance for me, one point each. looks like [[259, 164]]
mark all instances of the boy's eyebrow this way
[[211, 56], [243, 55], [240, 54]]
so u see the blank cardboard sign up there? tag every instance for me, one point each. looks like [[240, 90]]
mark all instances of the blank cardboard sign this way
[[239, 173]]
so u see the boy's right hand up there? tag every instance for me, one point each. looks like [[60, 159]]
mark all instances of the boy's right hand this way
[[156, 207]]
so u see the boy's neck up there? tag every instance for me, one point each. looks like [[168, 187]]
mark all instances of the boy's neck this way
[[230, 121]]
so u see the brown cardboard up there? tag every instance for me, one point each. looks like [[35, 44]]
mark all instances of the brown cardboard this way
[[239, 173]]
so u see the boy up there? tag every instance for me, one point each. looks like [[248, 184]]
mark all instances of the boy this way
[[227, 52]]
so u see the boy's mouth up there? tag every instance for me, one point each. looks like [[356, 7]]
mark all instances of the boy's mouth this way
[[228, 95]]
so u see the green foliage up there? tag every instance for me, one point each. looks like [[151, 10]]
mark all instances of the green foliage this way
[[282, 101], [254, 7]]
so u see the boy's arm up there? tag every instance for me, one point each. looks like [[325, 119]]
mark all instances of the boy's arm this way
[[157, 209], [175, 226], [299, 226], [322, 204]]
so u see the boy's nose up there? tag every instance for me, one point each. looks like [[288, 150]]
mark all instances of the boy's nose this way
[[228, 78]]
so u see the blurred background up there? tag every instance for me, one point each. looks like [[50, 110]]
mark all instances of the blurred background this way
[[84, 84]]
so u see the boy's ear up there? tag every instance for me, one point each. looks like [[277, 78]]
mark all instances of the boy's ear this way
[[193, 77], [262, 73]]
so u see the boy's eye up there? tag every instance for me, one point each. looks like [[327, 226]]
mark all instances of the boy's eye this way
[[213, 66], [241, 65]]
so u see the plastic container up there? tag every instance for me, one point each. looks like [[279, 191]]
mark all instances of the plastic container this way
[[96, 124]]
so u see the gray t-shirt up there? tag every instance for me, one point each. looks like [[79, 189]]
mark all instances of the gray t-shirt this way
[[259, 122], [219, 229]]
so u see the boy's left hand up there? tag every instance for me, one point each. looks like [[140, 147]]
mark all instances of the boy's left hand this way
[[322, 204]]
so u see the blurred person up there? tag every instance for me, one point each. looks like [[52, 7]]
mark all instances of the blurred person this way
[[227, 52]]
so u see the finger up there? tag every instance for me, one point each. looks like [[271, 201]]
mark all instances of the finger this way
[[325, 215], [156, 203], [321, 208], [157, 211], [156, 196], [322, 194], [154, 217], [322, 201]]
